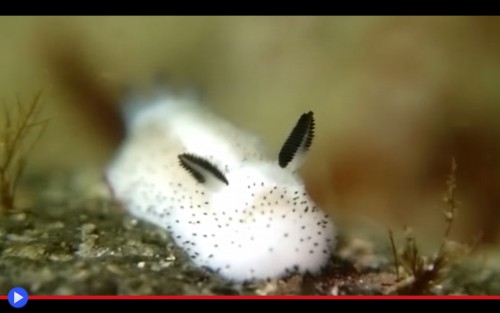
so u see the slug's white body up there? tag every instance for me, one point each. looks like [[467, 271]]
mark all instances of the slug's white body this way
[[258, 224]]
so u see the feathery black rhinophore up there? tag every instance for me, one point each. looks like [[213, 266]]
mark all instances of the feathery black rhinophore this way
[[299, 139], [196, 165]]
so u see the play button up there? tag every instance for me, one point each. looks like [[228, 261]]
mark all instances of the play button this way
[[18, 297]]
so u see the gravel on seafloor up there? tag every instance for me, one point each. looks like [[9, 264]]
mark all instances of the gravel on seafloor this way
[[75, 241]]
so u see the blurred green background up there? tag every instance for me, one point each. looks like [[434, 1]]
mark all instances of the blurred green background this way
[[395, 99]]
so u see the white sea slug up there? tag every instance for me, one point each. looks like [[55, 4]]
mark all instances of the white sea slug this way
[[229, 206]]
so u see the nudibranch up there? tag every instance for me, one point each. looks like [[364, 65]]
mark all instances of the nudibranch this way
[[230, 206]]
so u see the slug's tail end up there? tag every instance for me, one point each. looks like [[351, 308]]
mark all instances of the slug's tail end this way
[[131, 104], [161, 92], [134, 101]]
